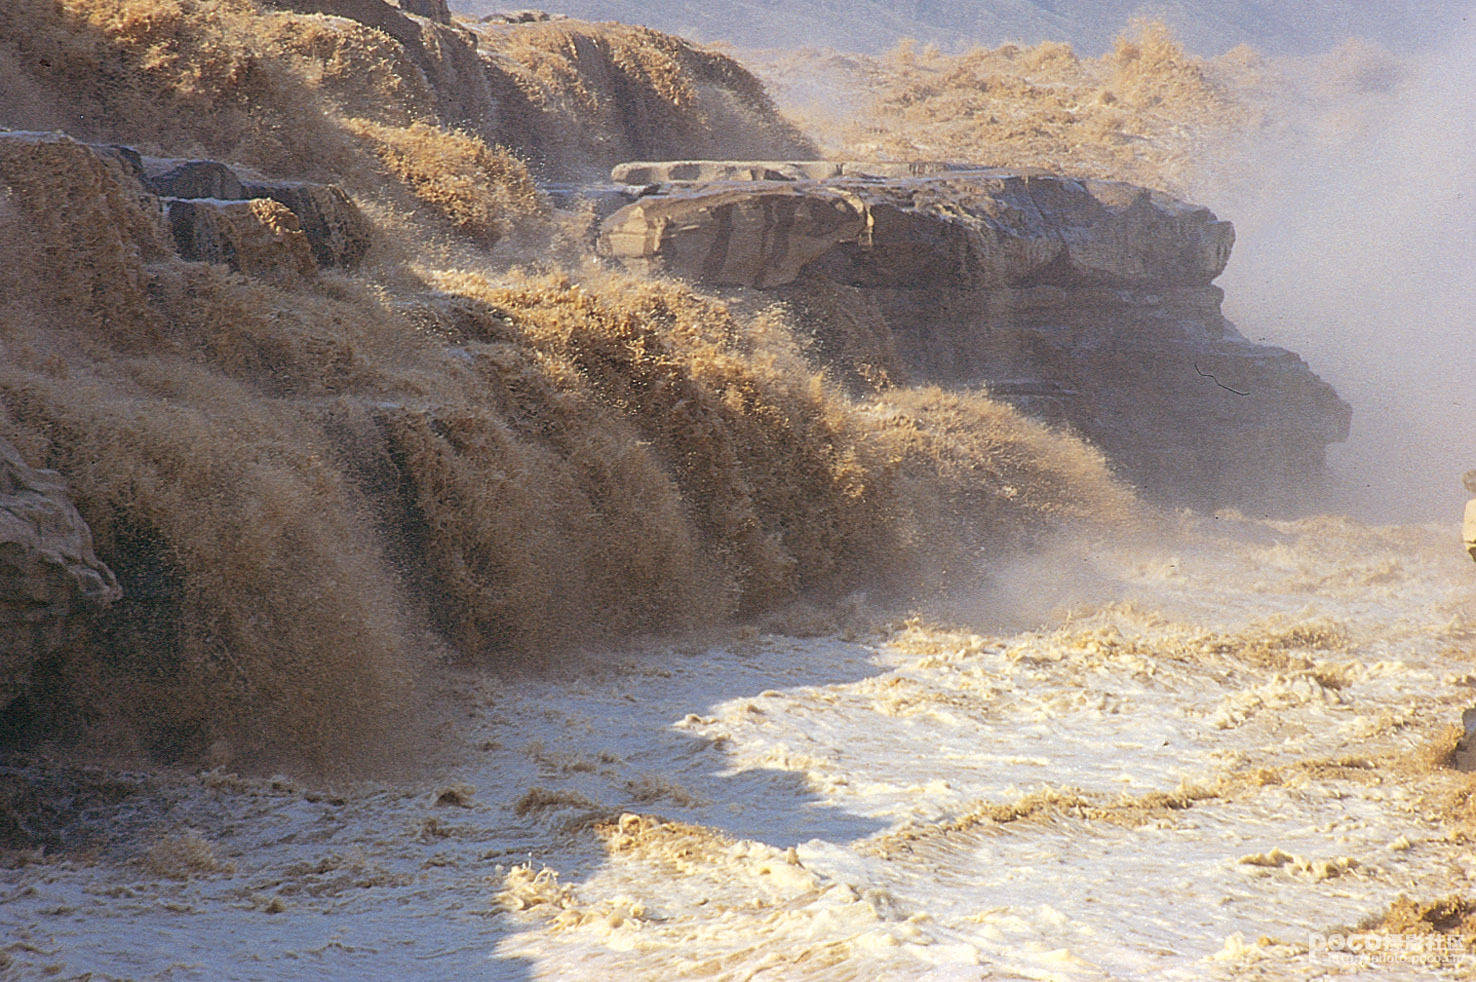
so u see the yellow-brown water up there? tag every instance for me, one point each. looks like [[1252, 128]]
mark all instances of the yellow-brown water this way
[[1111, 760], [1201, 756]]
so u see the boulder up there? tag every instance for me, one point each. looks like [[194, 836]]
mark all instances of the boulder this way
[[51, 582], [258, 237], [1088, 303]]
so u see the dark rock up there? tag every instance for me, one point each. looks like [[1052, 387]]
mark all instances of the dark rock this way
[[191, 179], [336, 229], [435, 10], [258, 237], [337, 233], [51, 582]]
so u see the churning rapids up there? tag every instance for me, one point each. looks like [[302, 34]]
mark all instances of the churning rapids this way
[[1197, 757]]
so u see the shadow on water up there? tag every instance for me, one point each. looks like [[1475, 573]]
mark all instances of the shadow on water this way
[[392, 879], [771, 805]]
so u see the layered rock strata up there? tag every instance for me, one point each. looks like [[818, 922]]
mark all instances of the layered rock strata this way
[[1088, 302], [202, 199], [214, 212], [51, 582]]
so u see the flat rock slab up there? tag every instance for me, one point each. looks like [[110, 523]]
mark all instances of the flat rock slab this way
[[707, 171]]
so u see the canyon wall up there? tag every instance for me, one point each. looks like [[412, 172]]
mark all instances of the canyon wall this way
[[1088, 303]]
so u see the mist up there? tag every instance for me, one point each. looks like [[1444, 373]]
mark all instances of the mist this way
[[1355, 249]]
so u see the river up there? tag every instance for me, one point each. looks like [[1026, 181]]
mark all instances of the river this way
[[1205, 756]]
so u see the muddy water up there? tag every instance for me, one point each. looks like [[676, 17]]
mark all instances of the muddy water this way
[[1200, 758]]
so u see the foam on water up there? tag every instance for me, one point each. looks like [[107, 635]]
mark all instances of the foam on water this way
[[1225, 749]]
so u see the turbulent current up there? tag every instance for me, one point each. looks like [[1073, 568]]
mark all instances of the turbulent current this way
[[1191, 760]]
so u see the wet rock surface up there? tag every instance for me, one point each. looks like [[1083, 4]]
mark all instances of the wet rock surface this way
[[1090, 303], [50, 579], [733, 224], [205, 201], [258, 237], [667, 171], [214, 212], [337, 232]]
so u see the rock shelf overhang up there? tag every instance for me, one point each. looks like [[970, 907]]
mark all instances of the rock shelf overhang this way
[[1090, 303]]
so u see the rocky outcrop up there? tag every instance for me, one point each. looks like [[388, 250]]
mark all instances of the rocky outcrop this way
[[520, 17], [213, 212], [979, 229], [190, 178], [258, 237], [205, 201], [734, 236], [708, 171], [50, 580], [337, 231], [435, 10], [1088, 302]]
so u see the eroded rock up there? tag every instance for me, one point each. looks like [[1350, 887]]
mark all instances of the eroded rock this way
[[708, 171], [954, 228], [734, 235], [191, 179], [521, 17], [84, 195], [50, 579], [258, 237], [205, 201], [1090, 303], [336, 229], [435, 10]]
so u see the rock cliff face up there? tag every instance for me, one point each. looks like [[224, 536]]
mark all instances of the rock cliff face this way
[[1088, 302], [50, 580]]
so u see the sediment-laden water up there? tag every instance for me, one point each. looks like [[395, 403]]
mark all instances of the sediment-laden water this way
[[1201, 760]]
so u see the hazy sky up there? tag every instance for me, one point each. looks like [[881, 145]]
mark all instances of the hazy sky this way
[[1359, 252], [1207, 26]]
